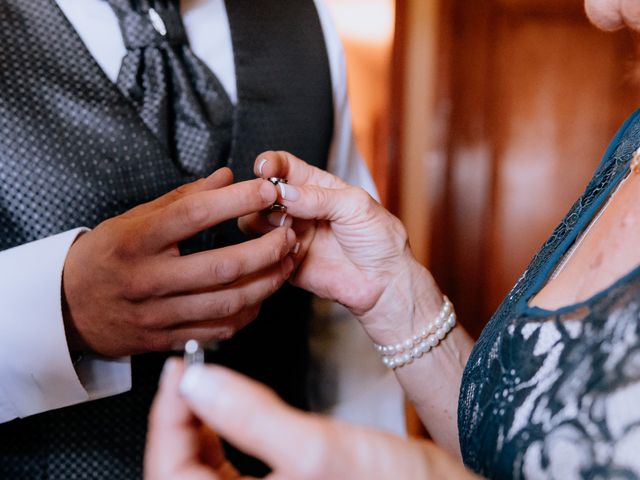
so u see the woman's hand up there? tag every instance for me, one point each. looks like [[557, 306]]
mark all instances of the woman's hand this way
[[352, 251], [355, 252], [294, 444]]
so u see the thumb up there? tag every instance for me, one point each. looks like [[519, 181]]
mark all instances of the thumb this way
[[341, 205], [254, 419]]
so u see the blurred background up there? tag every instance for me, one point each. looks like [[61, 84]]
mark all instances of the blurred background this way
[[482, 121]]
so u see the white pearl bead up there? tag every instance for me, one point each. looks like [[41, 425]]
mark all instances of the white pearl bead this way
[[452, 321], [427, 338], [424, 346]]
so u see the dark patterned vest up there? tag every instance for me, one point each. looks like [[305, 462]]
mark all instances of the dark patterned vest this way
[[74, 152]]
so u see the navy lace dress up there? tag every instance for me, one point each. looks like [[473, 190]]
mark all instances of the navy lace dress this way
[[556, 394]]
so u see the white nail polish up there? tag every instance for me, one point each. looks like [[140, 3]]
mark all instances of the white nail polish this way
[[296, 248], [288, 192], [169, 367], [283, 219], [261, 165], [192, 380]]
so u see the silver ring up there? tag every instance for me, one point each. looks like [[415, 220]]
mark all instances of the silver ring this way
[[277, 180], [277, 207]]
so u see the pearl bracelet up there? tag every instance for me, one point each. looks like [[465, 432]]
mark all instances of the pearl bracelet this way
[[401, 354]]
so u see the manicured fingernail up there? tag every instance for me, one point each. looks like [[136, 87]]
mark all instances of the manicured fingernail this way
[[169, 367], [291, 236], [277, 219], [296, 248], [288, 192], [261, 165], [192, 380]]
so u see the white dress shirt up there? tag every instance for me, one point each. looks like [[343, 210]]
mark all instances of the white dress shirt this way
[[36, 371]]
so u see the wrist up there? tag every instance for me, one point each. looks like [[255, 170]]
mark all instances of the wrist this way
[[409, 302]]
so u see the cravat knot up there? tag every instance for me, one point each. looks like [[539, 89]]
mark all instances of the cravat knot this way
[[150, 26], [178, 98]]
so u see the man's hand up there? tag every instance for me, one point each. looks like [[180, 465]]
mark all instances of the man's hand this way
[[295, 445], [127, 290]]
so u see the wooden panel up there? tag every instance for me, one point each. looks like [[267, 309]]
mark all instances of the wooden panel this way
[[535, 93], [555, 110]]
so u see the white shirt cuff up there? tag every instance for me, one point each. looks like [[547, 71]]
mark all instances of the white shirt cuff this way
[[36, 371]]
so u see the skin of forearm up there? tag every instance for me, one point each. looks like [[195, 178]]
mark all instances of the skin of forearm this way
[[432, 383]]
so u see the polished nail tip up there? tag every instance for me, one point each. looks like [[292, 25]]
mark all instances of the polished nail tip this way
[[283, 190], [191, 381], [261, 165], [283, 219], [296, 248], [169, 367]]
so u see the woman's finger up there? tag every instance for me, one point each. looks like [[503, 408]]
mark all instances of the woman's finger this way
[[297, 172], [296, 445], [252, 418], [173, 438], [330, 204]]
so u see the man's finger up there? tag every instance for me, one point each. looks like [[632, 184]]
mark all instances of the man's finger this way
[[297, 172], [252, 418], [218, 179], [261, 223], [226, 302], [217, 268], [201, 210]]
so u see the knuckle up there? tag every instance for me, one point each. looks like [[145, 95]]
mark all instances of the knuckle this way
[[224, 333], [313, 465], [159, 341], [226, 305], [193, 211], [276, 281], [320, 195], [186, 188], [127, 245], [363, 197], [226, 270], [137, 287]]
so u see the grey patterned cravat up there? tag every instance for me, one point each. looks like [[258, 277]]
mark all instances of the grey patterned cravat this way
[[178, 97]]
